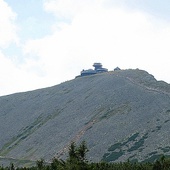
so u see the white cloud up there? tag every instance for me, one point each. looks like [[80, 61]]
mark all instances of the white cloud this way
[[114, 36], [67, 9], [8, 28], [96, 32], [13, 78]]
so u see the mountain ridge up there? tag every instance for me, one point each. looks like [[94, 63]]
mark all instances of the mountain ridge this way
[[41, 123]]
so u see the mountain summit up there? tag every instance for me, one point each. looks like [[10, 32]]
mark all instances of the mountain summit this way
[[124, 114]]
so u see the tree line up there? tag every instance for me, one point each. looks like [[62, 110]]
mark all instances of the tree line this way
[[77, 161]]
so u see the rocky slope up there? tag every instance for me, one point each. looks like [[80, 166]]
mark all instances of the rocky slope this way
[[121, 115]]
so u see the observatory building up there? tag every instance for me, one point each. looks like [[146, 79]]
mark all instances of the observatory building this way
[[97, 69]]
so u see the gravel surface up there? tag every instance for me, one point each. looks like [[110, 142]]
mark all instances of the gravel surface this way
[[121, 115]]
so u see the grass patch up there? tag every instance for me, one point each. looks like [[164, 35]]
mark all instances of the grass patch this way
[[140, 149], [153, 153], [112, 156], [116, 150], [25, 132], [133, 137], [134, 160], [115, 146], [138, 144], [153, 158], [18, 162], [166, 121], [123, 109], [166, 149], [158, 128], [168, 111]]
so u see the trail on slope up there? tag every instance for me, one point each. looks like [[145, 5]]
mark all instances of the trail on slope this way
[[82, 131], [76, 138], [146, 87]]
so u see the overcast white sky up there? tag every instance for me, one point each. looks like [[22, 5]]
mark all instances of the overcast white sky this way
[[46, 42]]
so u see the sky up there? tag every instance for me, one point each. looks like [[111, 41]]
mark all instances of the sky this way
[[47, 42]]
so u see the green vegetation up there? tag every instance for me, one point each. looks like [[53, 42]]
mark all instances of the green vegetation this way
[[113, 156], [27, 131], [168, 111], [123, 109], [77, 161], [138, 144], [130, 144], [115, 146], [166, 149]]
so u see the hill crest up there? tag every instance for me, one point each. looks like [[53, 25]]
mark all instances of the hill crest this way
[[117, 113]]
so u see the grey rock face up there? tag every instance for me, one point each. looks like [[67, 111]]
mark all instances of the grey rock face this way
[[122, 115]]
